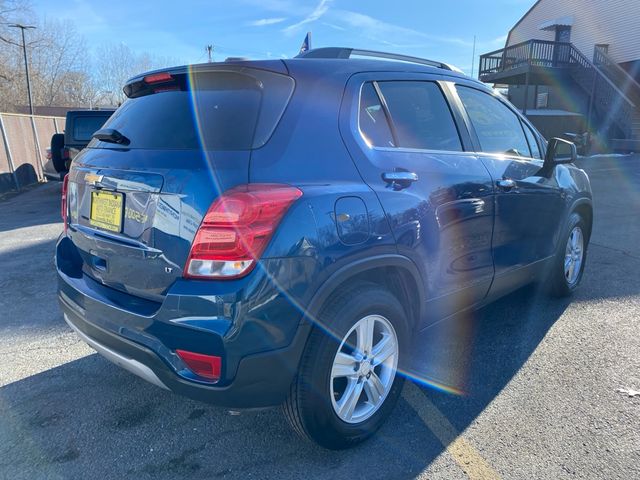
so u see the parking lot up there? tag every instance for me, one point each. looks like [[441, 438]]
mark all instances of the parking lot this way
[[540, 379]]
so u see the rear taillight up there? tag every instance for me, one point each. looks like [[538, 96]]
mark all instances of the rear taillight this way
[[64, 208], [236, 230], [66, 154]]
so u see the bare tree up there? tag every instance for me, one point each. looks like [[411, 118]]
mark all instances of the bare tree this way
[[116, 63], [10, 44], [63, 73], [57, 60], [58, 55], [12, 11]]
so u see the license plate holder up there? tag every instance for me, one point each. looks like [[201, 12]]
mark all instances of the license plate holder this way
[[107, 210]]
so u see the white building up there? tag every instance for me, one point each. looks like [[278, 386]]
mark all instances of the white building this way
[[611, 25], [575, 65]]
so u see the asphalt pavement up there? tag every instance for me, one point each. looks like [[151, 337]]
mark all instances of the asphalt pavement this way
[[525, 388]]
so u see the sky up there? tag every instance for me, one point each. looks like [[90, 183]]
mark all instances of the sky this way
[[180, 29]]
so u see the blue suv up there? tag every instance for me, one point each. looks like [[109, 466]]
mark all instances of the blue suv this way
[[262, 233]]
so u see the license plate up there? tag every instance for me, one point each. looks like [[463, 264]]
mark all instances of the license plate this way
[[106, 210]]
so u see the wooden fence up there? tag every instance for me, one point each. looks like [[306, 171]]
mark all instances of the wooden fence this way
[[23, 143]]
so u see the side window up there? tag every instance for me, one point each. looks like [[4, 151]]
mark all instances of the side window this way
[[85, 127], [499, 129], [372, 119], [533, 141], [420, 115]]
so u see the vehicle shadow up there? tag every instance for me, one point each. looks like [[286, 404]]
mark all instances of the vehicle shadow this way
[[462, 364], [38, 205], [28, 283]]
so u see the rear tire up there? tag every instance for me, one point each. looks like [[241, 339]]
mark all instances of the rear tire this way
[[338, 402], [57, 144], [568, 265]]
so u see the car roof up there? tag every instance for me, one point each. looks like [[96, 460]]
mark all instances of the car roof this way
[[352, 66], [322, 65]]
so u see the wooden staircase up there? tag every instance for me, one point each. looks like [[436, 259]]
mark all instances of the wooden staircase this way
[[631, 88], [614, 96], [614, 105]]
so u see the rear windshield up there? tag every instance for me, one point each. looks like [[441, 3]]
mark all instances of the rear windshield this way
[[85, 126], [210, 111]]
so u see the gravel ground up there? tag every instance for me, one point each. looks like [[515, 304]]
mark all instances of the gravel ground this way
[[540, 380]]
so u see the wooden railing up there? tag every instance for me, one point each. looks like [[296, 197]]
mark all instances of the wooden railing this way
[[540, 53], [607, 98], [617, 75], [606, 83]]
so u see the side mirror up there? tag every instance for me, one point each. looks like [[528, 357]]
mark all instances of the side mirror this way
[[560, 151]]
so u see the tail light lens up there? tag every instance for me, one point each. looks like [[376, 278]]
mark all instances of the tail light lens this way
[[64, 208], [66, 154], [236, 229]]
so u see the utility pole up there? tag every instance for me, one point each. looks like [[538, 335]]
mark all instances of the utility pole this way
[[209, 49], [473, 56], [26, 63]]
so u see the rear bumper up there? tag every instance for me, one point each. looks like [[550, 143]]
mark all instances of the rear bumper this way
[[262, 380], [120, 359], [144, 342]]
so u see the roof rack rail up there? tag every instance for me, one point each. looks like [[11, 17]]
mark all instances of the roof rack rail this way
[[341, 52]]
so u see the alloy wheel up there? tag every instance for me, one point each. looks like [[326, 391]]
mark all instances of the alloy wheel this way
[[573, 256], [364, 369]]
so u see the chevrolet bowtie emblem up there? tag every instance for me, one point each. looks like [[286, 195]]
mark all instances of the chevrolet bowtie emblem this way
[[92, 178]]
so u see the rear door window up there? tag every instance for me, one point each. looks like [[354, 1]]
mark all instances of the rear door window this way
[[499, 129], [208, 110], [420, 115], [372, 119]]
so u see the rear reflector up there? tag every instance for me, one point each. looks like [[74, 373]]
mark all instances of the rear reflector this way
[[206, 366], [236, 229], [63, 201]]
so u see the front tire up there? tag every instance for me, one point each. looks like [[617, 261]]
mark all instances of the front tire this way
[[347, 384], [568, 264]]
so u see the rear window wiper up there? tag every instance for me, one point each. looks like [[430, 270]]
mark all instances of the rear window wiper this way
[[111, 135]]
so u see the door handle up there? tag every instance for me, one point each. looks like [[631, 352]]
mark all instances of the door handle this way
[[399, 180], [506, 184]]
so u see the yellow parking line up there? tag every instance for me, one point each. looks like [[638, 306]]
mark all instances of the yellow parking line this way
[[464, 454]]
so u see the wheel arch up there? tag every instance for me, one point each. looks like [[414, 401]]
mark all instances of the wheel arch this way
[[394, 272], [584, 208]]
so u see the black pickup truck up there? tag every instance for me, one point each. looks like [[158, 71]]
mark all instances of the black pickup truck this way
[[79, 127]]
